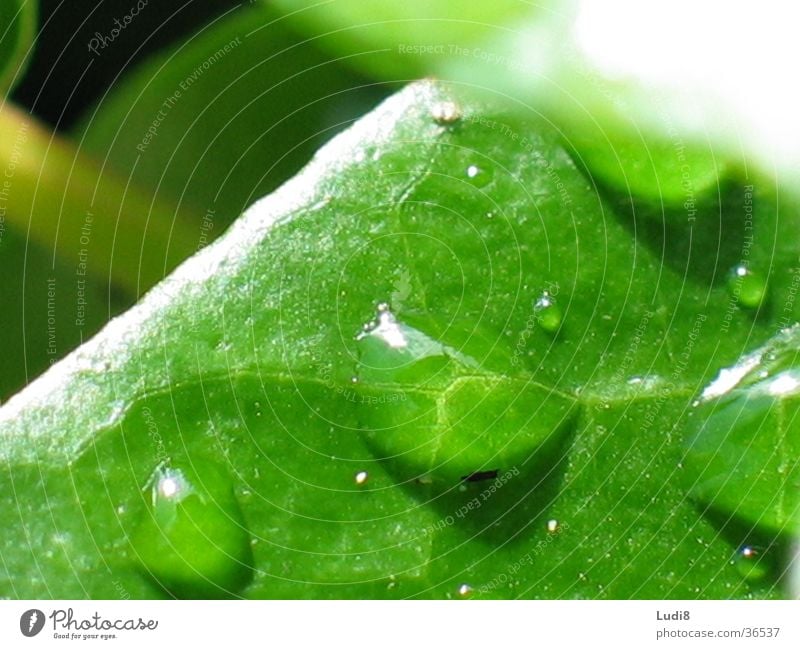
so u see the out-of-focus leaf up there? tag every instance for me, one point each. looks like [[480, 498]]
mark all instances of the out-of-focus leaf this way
[[227, 116], [17, 27], [409, 39], [51, 189]]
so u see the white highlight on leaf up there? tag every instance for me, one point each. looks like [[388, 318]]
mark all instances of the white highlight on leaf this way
[[386, 329], [168, 487], [730, 377], [784, 384]]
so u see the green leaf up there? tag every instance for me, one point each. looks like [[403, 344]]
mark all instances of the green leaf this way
[[464, 441], [17, 28], [226, 117]]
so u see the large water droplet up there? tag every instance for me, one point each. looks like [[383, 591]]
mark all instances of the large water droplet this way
[[431, 410], [745, 439], [392, 350], [192, 538], [747, 286], [548, 313]]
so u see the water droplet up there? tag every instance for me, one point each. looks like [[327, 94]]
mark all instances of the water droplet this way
[[479, 176], [421, 402], [465, 590], [552, 526], [388, 345], [548, 313], [750, 563], [361, 477], [739, 443], [192, 539], [747, 286], [445, 112]]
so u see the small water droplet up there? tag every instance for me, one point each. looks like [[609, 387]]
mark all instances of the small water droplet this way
[[445, 112], [552, 526], [548, 313], [750, 563], [361, 477], [192, 539], [465, 590], [747, 286], [479, 176]]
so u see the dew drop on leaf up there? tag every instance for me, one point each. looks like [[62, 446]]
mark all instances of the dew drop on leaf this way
[[750, 563], [747, 286], [361, 477], [548, 313], [745, 437], [479, 176], [552, 526], [192, 538], [465, 591], [430, 410]]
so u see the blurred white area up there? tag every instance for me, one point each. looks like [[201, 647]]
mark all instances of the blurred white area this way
[[722, 70]]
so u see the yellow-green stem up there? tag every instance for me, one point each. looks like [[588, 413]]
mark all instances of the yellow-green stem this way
[[61, 199]]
